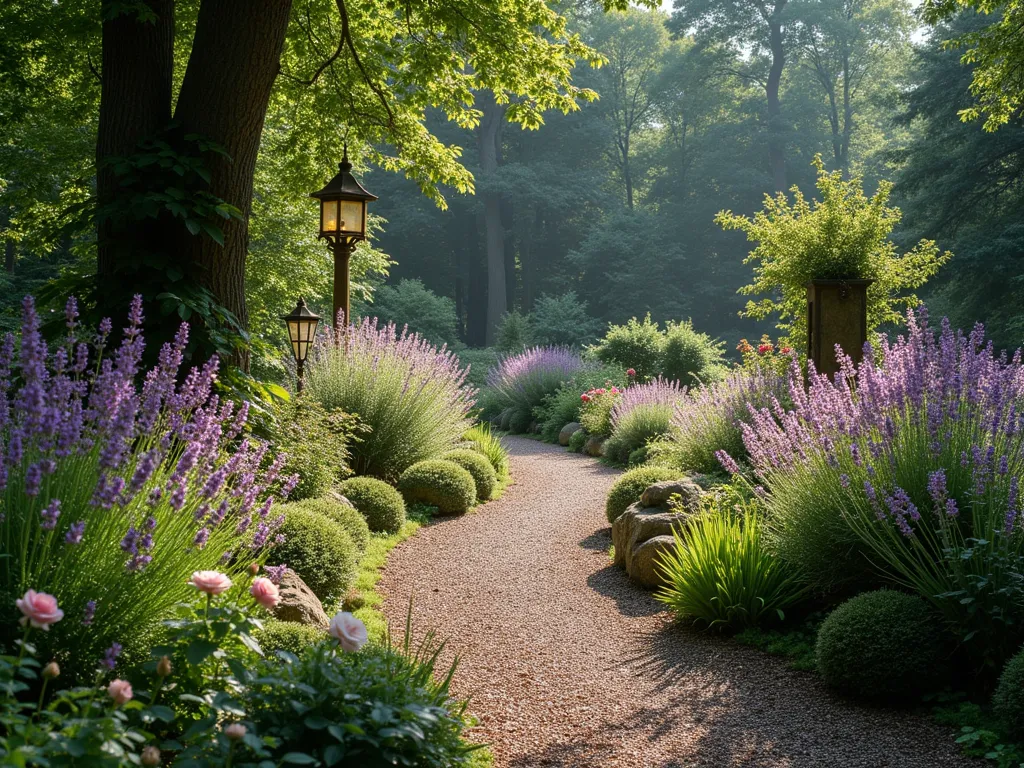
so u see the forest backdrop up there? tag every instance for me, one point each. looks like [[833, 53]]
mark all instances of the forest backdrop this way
[[579, 211]]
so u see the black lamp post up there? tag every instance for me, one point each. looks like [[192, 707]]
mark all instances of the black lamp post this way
[[302, 325], [343, 224]]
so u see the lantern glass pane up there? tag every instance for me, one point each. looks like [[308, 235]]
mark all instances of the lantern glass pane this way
[[329, 216], [352, 216]]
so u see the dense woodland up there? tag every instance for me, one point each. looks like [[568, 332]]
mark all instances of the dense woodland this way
[[588, 203]]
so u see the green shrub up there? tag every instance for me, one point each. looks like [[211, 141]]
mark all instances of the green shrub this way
[[691, 357], [1008, 701], [637, 428], [477, 363], [319, 550], [489, 446], [596, 411], [520, 421], [882, 645], [563, 320], [288, 636], [381, 505], [638, 457], [520, 382], [637, 345], [563, 405], [484, 476], [347, 517], [514, 333], [628, 488], [408, 393], [578, 440], [412, 304], [441, 484], [721, 573]]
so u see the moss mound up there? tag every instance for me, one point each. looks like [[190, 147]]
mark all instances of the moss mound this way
[[320, 550], [882, 645], [631, 485], [439, 483], [288, 636], [381, 505], [347, 517], [484, 476]]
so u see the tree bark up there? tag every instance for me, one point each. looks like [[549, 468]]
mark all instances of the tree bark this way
[[489, 138], [236, 55], [135, 103], [10, 257], [776, 144]]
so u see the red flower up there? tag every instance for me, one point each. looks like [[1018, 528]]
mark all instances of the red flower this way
[[585, 397], [764, 348], [630, 372], [786, 350]]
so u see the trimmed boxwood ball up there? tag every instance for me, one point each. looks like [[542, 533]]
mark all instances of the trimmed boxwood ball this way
[[628, 488], [439, 483], [288, 636], [347, 517], [882, 645], [320, 550], [484, 476], [1008, 700], [381, 505], [519, 423], [578, 440]]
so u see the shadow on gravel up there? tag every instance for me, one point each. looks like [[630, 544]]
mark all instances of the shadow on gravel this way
[[598, 541], [611, 582]]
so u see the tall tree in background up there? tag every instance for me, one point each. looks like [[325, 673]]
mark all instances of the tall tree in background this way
[[757, 25], [489, 136]]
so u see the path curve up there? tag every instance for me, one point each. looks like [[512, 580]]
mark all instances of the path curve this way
[[569, 664]]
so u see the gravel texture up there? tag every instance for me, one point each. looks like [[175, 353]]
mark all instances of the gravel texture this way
[[568, 664]]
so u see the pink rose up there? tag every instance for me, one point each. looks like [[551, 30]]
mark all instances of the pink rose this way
[[120, 691], [349, 631], [39, 609], [235, 731], [630, 372], [266, 592], [210, 582]]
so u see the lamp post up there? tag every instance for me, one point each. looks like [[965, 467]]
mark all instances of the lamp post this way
[[302, 325], [343, 224]]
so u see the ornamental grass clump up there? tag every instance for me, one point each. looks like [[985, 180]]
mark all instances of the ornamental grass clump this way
[[641, 414], [519, 383], [907, 470], [410, 394], [116, 483]]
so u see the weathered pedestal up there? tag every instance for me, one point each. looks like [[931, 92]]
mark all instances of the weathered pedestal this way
[[837, 313]]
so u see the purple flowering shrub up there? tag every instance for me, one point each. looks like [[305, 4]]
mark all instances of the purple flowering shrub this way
[[411, 395], [709, 420], [117, 484], [907, 470], [520, 382], [643, 413]]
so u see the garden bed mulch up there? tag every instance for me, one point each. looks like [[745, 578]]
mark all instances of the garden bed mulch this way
[[569, 664]]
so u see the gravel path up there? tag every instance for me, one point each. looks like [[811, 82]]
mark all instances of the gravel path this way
[[569, 664]]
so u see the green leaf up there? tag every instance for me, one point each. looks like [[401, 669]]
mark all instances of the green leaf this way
[[298, 758], [199, 650]]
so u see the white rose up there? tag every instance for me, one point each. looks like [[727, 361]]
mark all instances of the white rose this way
[[349, 631]]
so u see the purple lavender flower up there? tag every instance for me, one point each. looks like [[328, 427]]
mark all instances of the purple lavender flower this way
[[110, 656], [275, 572], [201, 538], [50, 515], [75, 533], [728, 462], [89, 614]]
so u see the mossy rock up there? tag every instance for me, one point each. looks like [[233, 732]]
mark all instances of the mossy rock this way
[[439, 483], [288, 636], [378, 502], [484, 477], [882, 646], [319, 550], [348, 517], [628, 488]]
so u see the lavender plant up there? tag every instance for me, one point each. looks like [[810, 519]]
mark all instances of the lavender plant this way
[[113, 493], [643, 413], [520, 382], [709, 420], [908, 468], [410, 394]]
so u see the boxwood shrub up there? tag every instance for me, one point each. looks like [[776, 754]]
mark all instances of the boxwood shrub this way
[[347, 517], [882, 645], [319, 550], [631, 485], [484, 477], [288, 636], [381, 505], [442, 484], [1008, 701]]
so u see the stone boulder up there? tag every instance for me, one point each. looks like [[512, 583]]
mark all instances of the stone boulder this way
[[638, 524], [658, 495], [298, 603], [568, 431], [594, 446], [644, 567]]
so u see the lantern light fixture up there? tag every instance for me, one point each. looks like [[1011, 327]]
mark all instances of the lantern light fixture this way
[[302, 325]]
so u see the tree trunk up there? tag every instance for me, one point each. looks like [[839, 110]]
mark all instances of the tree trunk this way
[[135, 103], [10, 257], [236, 55], [489, 137], [476, 297], [776, 144], [847, 114]]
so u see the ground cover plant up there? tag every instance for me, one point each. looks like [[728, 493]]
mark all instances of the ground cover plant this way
[[410, 394], [113, 492], [907, 471], [521, 381]]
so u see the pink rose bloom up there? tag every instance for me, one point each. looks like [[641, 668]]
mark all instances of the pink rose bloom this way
[[266, 592], [210, 582], [349, 631], [235, 731], [39, 609], [120, 691], [630, 372]]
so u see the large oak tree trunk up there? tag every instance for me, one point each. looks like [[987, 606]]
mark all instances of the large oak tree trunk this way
[[235, 59], [137, 70]]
